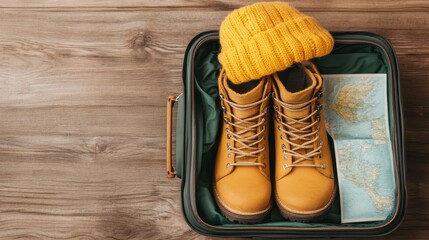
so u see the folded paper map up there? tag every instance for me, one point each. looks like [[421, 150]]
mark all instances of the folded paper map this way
[[356, 118]]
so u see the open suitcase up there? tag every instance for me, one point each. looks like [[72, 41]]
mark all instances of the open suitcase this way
[[197, 125]]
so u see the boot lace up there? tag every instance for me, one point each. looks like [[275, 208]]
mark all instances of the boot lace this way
[[301, 135], [249, 145]]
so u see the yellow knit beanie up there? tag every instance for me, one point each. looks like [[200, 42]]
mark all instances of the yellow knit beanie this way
[[263, 38]]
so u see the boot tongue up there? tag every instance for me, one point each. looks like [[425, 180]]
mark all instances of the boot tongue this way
[[245, 93], [295, 87], [242, 94], [296, 97]]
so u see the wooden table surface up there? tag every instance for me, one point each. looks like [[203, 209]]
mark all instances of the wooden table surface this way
[[83, 90]]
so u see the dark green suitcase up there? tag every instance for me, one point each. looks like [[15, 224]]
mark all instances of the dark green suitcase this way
[[198, 119]]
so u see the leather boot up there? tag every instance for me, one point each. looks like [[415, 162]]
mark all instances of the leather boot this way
[[242, 186], [304, 178]]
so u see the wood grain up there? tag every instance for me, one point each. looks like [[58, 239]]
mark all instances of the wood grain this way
[[83, 87], [365, 5]]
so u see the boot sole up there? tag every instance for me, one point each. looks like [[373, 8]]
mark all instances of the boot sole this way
[[306, 218], [240, 218]]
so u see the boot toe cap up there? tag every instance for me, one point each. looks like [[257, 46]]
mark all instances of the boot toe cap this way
[[305, 193], [244, 194]]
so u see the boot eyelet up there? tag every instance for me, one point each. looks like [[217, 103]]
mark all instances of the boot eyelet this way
[[221, 96], [321, 144], [317, 118], [263, 147], [323, 165], [278, 127], [319, 94], [283, 146], [226, 120], [319, 107], [228, 136], [285, 157], [285, 166], [275, 108], [228, 155], [223, 109], [318, 128], [228, 165]]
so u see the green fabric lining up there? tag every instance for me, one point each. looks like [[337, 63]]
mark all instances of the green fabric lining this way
[[345, 58]]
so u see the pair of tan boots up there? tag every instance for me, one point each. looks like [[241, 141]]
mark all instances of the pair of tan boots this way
[[303, 182]]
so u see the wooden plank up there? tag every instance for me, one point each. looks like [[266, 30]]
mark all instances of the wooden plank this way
[[132, 121], [332, 5], [126, 82], [53, 195], [150, 35]]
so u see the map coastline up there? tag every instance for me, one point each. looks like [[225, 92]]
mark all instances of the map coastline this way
[[356, 117]]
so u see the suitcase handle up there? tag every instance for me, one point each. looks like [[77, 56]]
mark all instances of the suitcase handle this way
[[171, 173]]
